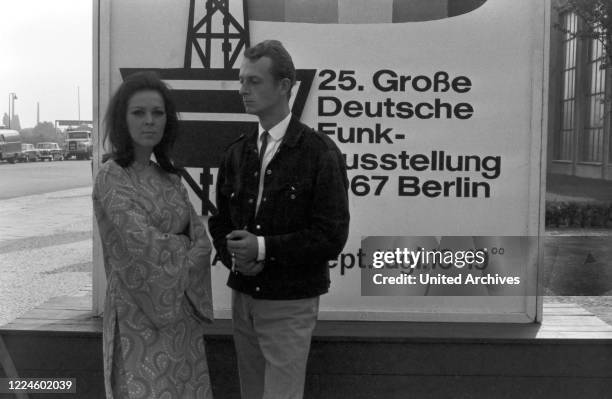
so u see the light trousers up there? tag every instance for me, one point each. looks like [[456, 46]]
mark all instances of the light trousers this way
[[272, 339]]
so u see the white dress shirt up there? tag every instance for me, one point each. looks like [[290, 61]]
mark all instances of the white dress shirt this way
[[276, 134]]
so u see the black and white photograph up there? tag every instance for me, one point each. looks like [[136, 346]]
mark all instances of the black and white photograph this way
[[286, 199]]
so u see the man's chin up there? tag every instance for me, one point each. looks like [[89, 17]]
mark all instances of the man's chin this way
[[250, 110]]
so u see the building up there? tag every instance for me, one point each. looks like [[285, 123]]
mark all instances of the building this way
[[578, 127]]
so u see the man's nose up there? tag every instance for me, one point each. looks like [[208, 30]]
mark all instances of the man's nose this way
[[243, 89]]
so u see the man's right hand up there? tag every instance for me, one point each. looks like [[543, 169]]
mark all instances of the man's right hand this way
[[250, 268]]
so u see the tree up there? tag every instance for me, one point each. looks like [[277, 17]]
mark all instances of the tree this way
[[44, 131], [5, 119], [27, 136], [597, 15]]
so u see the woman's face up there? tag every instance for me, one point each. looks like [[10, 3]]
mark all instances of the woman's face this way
[[146, 118]]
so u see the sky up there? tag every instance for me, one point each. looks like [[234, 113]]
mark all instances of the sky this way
[[46, 58]]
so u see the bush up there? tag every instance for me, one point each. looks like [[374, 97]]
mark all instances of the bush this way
[[578, 214]]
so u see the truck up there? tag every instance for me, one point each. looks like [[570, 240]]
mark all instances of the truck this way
[[78, 144], [10, 145]]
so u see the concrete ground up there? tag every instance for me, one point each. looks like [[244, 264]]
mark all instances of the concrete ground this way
[[578, 262], [45, 249]]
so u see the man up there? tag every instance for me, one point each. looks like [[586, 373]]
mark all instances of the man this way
[[281, 218]]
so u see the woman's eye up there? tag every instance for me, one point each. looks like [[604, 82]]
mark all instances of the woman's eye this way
[[159, 113], [138, 112]]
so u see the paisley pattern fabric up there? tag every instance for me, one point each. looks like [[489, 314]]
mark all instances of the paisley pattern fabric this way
[[157, 263]]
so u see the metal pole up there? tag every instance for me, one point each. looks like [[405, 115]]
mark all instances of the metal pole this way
[[13, 105], [79, 102], [12, 98]]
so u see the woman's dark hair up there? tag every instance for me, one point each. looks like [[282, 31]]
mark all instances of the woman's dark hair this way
[[115, 121]]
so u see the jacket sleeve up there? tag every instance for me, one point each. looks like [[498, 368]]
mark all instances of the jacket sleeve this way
[[220, 225], [153, 265], [324, 238]]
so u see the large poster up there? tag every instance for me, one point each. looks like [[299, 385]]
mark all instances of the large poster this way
[[437, 110]]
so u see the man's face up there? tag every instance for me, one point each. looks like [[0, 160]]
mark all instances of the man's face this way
[[261, 93]]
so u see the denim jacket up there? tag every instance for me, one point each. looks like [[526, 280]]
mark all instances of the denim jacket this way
[[303, 215]]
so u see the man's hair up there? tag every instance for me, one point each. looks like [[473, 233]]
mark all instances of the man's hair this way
[[282, 64], [115, 121]]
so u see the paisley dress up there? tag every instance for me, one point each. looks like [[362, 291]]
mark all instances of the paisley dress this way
[[157, 263]]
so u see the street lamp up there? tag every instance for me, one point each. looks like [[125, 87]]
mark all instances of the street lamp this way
[[12, 98]]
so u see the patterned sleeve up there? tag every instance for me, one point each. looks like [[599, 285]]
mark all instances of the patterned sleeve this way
[[155, 265], [199, 290]]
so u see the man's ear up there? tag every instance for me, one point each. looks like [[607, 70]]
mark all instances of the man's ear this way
[[285, 85]]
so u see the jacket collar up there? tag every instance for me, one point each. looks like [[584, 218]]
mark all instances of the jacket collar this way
[[294, 132], [291, 138]]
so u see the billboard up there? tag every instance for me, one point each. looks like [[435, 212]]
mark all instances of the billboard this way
[[437, 107]]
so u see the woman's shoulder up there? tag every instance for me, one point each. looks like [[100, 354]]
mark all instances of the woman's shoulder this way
[[109, 171], [110, 167]]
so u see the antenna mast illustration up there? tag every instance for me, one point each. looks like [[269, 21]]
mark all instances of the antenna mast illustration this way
[[202, 36]]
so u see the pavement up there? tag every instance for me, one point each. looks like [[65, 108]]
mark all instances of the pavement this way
[[46, 214], [578, 262], [45, 249]]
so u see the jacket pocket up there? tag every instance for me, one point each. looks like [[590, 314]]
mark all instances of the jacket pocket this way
[[296, 198]]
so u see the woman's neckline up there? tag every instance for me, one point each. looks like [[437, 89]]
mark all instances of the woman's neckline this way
[[139, 166]]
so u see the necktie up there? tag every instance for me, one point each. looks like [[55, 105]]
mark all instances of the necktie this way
[[264, 145]]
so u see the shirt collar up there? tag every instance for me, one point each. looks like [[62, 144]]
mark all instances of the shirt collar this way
[[277, 132]]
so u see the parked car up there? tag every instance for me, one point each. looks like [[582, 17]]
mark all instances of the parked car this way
[[29, 153], [50, 151]]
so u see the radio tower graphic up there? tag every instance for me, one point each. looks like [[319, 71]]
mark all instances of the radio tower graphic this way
[[234, 36], [205, 90]]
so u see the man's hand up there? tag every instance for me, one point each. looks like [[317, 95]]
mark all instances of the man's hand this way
[[249, 268], [242, 245]]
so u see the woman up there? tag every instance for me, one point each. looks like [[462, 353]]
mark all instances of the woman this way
[[156, 253]]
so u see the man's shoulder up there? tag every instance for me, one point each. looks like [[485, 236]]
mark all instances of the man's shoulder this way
[[238, 142], [317, 139]]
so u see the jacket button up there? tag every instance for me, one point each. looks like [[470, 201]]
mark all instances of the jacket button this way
[[256, 174], [292, 196], [250, 200], [257, 289], [269, 172], [258, 227], [264, 199], [272, 258]]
